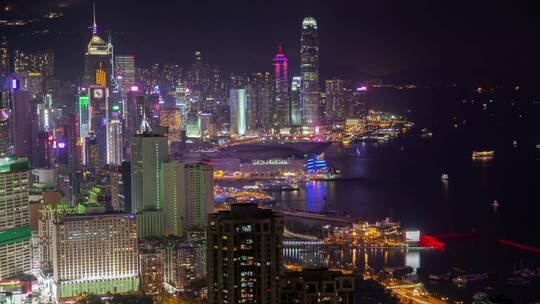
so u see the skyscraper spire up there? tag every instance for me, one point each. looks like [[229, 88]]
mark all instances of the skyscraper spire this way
[[94, 26], [280, 48]]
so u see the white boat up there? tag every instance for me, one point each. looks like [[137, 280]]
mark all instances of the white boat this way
[[444, 177], [483, 154]]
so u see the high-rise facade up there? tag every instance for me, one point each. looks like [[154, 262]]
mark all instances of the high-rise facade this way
[[99, 110], [22, 115], [296, 113], [260, 101], [95, 253], [309, 69], [187, 197], [124, 66], [337, 97], [148, 151], [281, 94], [5, 67], [34, 62], [238, 105], [244, 255], [15, 230]]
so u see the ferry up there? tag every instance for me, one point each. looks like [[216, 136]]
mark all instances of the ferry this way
[[469, 278], [483, 154], [426, 133]]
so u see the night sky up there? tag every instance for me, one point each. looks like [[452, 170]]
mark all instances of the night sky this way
[[423, 40]]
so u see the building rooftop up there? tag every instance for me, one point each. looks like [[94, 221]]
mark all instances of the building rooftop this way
[[8, 164]]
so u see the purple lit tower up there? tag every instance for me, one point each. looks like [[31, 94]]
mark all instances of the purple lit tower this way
[[281, 70]]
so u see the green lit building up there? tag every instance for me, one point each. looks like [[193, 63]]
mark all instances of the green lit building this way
[[148, 150], [15, 230], [188, 197]]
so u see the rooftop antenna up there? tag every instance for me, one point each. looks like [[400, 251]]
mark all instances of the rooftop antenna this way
[[94, 27], [280, 48]]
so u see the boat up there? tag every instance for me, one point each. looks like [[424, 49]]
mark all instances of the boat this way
[[469, 278], [357, 152], [483, 154], [495, 204], [426, 133], [444, 177]]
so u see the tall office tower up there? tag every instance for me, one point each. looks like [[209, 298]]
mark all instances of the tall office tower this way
[[15, 230], [97, 61], [31, 82], [358, 105], [259, 101], [244, 255], [309, 68], [91, 154], [99, 110], [84, 117], [124, 73], [34, 62], [193, 125], [148, 151], [71, 140], [296, 112], [281, 77], [319, 285], [187, 197], [237, 103], [336, 101], [5, 68], [115, 148], [172, 119], [95, 253], [5, 138], [22, 116]]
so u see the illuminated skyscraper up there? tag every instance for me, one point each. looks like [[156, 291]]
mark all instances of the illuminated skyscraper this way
[[15, 230], [148, 151], [309, 68], [336, 101], [97, 61], [281, 94], [244, 255], [296, 114], [34, 62], [237, 102], [99, 110], [259, 101], [172, 119], [125, 73], [5, 68]]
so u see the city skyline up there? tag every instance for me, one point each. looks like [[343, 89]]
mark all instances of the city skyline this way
[[455, 42]]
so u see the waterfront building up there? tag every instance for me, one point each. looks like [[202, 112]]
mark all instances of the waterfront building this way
[[336, 101], [15, 229], [296, 113], [309, 68], [95, 253], [281, 94], [237, 102], [188, 196], [318, 285], [244, 255], [148, 151], [260, 102]]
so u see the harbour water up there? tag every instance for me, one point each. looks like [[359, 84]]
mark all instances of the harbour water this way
[[403, 181]]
